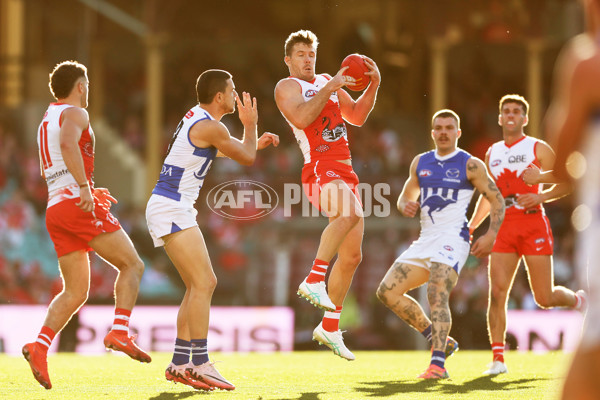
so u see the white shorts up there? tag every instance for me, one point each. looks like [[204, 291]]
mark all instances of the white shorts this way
[[165, 216], [445, 249]]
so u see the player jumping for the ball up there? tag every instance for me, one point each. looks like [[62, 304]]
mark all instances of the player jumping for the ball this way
[[315, 106]]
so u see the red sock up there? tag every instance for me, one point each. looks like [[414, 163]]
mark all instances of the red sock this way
[[318, 271], [498, 350], [121, 323], [331, 320], [45, 338]]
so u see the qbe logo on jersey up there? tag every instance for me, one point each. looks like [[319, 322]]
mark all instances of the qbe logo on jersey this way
[[242, 200]]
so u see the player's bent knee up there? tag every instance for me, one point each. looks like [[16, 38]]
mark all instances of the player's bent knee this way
[[133, 265], [349, 221], [350, 260], [387, 296], [204, 284], [138, 266], [355, 217], [498, 295], [381, 293]]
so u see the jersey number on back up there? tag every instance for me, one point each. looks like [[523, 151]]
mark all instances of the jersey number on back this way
[[44, 152], [174, 137]]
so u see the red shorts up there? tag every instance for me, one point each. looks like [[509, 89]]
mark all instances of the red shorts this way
[[71, 229], [527, 234], [317, 174]]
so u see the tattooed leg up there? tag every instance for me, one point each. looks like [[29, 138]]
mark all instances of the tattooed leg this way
[[441, 282], [392, 290]]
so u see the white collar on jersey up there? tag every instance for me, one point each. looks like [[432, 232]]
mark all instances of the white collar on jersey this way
[[447, 156], [203, 109]]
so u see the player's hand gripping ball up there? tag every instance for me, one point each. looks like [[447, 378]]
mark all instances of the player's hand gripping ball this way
[[356, 70]]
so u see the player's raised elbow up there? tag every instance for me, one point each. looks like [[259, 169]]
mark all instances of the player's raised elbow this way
[[356, 121], [300, 123]]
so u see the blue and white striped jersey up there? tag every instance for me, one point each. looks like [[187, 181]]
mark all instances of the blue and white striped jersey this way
[[185, 165], [445, 193]]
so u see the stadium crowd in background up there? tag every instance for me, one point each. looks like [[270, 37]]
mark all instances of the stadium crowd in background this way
[[28, 248]]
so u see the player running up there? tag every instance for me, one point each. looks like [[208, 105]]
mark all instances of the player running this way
[[315, 106], [171, 216], [526, 231], [444, 179], [78, 220]]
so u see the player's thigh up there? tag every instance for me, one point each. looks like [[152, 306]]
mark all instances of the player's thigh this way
[[75, 270], [403, 277], [187, 250], [502, 270], [337, 199], [116, 248], [351, 246], [541, 276]]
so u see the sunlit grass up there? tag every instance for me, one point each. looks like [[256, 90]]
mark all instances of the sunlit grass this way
[[298, 375]]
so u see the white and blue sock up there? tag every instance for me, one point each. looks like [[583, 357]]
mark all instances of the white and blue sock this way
[[427, 334], [438, 358], [181, 354], [199, 351]]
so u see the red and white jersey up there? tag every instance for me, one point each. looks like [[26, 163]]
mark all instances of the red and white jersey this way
[[507, 163], [326, 137], [61, 184]]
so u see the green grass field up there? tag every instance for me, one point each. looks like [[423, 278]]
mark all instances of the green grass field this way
[[300, 375]]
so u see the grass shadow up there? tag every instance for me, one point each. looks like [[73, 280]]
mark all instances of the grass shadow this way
[[180, 395], [309, 396], [482, 383]]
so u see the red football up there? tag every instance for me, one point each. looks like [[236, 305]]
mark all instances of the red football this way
[[357, 69]]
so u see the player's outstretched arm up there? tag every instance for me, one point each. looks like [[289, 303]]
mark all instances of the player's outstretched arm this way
[[74, 121], [479, 178], [214, 133], [407, 201], [264, 141], [357, 112], [290, 101]]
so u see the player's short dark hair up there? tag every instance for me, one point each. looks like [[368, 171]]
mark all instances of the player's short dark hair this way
[[514, 98], [209, 83], [64, 76], [446, 113], [301, 36]]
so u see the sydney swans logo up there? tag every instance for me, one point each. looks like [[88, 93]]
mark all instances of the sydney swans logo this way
[[242, 199]]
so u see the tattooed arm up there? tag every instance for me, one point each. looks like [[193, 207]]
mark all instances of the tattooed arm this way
[[407, 201], [482, 208], [479, 178]]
